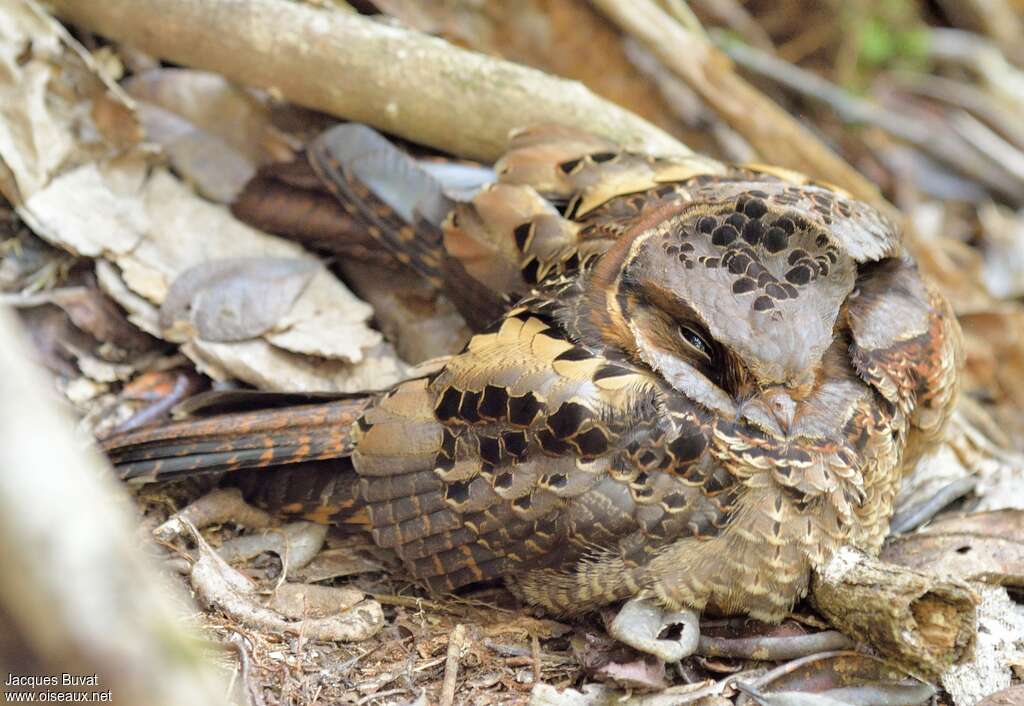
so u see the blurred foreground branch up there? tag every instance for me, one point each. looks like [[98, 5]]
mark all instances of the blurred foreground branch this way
[[76, 594], [397, 80]]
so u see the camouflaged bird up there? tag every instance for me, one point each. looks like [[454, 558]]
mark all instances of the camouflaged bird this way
[[709, 379]]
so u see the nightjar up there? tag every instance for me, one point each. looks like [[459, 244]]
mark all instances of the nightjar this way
[[704, 381]]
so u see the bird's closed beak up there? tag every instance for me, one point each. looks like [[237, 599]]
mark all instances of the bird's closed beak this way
[[781, 405]]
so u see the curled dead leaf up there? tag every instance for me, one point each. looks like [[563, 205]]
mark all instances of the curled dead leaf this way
[[1014, 696]]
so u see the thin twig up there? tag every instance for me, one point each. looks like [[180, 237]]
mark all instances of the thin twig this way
[[792, 666], [535, 657], [405, 601], [252, 690], [947, 146], [773, 648], [777, 135], [456, 642]]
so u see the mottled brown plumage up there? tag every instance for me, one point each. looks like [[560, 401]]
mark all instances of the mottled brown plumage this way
[[712, 378]]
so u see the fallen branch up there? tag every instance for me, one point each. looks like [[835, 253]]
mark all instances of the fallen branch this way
[[918, 620], [399, 81], [217, 585]]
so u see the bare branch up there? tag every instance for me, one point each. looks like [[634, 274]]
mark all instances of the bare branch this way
[[397, 80]]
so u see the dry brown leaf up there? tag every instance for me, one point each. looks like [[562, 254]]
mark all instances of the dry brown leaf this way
[[422, 323], [96, 314], [994, 343], [1014, 696], [217, 107], [986, 546], [298, 600], [639, 675], [50, 330]]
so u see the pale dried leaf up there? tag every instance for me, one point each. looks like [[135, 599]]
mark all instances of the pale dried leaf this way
[[34, 141], [271, 368], [236, 299], [141, 311], [328, 320], [93, 210], [986, 546], [334, 563], [295, 543], [218, 171], [300, 600], [109, 203], [1014, 696], [317, 325]]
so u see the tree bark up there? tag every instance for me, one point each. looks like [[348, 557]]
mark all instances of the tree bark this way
[[923, 622]]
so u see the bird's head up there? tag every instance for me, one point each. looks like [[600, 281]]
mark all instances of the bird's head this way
[[735, 298]]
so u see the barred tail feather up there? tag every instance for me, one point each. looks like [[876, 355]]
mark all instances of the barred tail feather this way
[[230, 442]]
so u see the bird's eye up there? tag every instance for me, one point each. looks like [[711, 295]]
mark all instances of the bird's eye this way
[[695, 340]]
